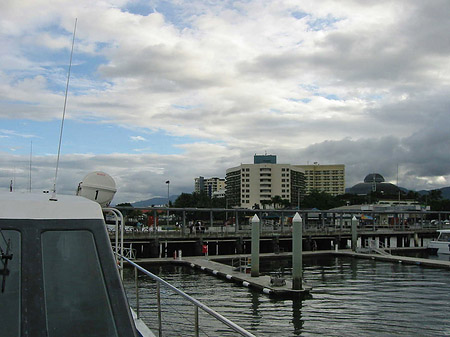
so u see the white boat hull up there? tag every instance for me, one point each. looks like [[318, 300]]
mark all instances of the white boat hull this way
[[440, 247]]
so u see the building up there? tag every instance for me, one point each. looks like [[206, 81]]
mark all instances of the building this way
[[209, 185], [374, 182], [254, 185], [324, 178]]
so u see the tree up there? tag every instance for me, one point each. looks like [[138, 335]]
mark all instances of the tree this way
[[435, 195], [276, 201], [128, 210], [198, 200], [321, 200]]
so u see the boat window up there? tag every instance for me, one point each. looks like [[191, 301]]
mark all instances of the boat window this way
[[444, 237], [10, 282], [76, 298]]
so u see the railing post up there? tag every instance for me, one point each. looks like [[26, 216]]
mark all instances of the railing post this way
[[158, 300], [137, 290], [196, 322]]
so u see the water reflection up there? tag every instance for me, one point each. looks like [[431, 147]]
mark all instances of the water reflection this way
[[350, 297], [256, 316], [297, 320]]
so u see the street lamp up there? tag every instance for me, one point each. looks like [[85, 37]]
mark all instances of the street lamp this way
[[168, 201], [298, 198]]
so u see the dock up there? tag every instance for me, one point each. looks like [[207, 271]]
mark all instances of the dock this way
[[397, 259], [262, 283]]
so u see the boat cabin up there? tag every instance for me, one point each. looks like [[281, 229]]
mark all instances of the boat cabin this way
[[58, 275], [444, 235]]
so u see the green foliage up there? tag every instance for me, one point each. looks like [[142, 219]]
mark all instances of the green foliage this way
[[321, 200], [128, 210], [198, 200]]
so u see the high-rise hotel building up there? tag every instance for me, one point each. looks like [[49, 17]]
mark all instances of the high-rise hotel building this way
[[324, 178], [209, 185], [248, 185]]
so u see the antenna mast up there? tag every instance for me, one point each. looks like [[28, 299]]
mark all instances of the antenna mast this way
[[31, 156], [64, 112]]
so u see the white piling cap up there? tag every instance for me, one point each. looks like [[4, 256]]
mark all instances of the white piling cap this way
[[255, 218], [297, 218], [354, 218]]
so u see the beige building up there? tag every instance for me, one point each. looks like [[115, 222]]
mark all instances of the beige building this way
[[209, 185], [326, 178], [250, 185]]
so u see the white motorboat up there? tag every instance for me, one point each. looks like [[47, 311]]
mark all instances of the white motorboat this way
[[58, 273], [442, 244]]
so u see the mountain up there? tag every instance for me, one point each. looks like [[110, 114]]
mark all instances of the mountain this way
[[154, 201], [445, 192]]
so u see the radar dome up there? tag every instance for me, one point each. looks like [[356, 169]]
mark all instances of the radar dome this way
[[98, 186]]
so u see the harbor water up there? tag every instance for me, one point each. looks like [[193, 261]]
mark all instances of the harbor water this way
[[350, 297]]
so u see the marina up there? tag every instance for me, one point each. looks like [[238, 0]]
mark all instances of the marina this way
[[350, 297], [340, 226]]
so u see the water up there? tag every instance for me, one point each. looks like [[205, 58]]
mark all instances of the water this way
[[350, 297]]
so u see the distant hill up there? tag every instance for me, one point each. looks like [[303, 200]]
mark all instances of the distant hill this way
[[154, 201], [445, 192]]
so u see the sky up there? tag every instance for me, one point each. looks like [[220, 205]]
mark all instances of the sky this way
[[173, 90]]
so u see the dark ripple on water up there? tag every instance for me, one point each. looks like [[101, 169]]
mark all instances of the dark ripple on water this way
[[350, 298]]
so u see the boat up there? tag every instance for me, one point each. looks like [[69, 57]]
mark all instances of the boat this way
[[442, 244], [58, 274]]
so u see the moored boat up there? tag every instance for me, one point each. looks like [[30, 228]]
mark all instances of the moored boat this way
[[58, 273], [442, 244]]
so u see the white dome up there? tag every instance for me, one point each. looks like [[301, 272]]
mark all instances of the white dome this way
[[98, 186]]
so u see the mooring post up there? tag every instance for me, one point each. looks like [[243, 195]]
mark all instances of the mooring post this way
[[255, 246], [297, 247], [183, 226], [354, 234]]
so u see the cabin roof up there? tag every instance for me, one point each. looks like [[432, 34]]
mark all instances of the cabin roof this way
[[14, 205]]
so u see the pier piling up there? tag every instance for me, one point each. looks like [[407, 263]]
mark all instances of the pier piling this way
[[255, 246], [297, 248], [354, 234]]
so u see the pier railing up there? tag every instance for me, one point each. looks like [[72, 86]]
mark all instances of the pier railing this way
[[197, 304], [191, 222]]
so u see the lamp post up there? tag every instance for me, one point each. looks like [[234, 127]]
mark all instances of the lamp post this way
[[168, 201]]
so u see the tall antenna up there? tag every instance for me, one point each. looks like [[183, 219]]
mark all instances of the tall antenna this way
[[64, 112], [397, 185], [31, 156]]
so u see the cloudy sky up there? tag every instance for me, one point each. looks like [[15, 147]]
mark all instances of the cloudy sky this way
[[171, 90]]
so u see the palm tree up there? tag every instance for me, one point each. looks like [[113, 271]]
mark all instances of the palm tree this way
[[276, 201]]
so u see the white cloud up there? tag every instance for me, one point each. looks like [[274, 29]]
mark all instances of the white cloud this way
[[137, 139], [311, 80]]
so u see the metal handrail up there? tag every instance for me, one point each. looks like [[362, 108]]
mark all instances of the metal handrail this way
[[197, 304]]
